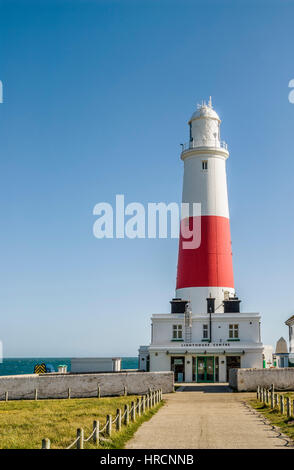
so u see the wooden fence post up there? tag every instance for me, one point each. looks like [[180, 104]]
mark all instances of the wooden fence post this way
[[6, 396], [80, 436], [98, 392], [143, 404], [126, 415], [45, 443], [36, 394], [257, 392], [125, 391], [108, 425], [68, 393], [139, 406], [96, 432], [133, 411], [288, 403], [276, 400], [282, 404], [272, 399], [118, 420]]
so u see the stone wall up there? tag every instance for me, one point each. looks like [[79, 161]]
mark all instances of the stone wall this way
[[247, 380], [84, 385]]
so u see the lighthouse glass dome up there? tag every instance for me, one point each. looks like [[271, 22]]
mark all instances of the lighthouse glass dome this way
[[204, 128]]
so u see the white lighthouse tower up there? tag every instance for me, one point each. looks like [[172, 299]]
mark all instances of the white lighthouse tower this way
[[205, 334], [207, 270]]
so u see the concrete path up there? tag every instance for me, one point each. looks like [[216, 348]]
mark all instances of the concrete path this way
[[205, 417]]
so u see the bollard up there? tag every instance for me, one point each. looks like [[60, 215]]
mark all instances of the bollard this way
[[139, 407], [133, 411], [125, 391], [80, 436], [98, 392], [143, 404], [36, 394], [118, 419], [96, 432], [45, 443], [6, 396], [108, 425], [288, 405], [281, 404], [126, 415], [68, 393]]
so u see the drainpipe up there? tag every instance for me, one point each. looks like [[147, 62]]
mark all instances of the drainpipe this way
[[210, 310]]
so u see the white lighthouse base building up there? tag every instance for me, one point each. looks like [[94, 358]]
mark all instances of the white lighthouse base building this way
[[235, 342]]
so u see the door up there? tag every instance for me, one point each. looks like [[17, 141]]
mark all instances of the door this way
[[205, 369], [178, 368]]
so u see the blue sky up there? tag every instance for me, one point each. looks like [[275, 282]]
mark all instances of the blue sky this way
[[97, 95]]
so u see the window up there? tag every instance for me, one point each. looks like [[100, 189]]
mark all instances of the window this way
[[233, 331], [177, 332], [204, 164], [205, 331]]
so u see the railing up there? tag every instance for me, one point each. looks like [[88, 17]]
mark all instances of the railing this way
[[274, 400], [193, 145], [143, 405]]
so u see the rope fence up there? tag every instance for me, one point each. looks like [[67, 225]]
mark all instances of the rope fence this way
[[270, 398], [142, 405]]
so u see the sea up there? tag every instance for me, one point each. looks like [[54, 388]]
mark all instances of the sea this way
[[25, 365]]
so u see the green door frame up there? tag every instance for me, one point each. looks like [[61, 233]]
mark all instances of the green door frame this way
[[205, 368]]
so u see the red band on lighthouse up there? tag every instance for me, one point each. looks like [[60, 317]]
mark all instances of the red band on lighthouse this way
[[211, 263]]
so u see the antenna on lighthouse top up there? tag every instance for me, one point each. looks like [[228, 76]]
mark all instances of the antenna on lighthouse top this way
[[210, 102]]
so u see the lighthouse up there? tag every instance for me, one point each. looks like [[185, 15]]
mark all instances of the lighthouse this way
[[207, 270], [205, 334]]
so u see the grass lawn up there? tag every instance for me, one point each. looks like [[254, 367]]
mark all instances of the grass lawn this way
[[24, 423], [275, 417]]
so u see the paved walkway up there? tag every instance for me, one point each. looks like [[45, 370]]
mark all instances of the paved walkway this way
[[205, 417]]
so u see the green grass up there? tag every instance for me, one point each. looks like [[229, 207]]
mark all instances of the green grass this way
[[275, 417], [24, 423]]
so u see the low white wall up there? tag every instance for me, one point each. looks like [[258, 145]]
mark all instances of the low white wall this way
[[247, 380], [84, 385]]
